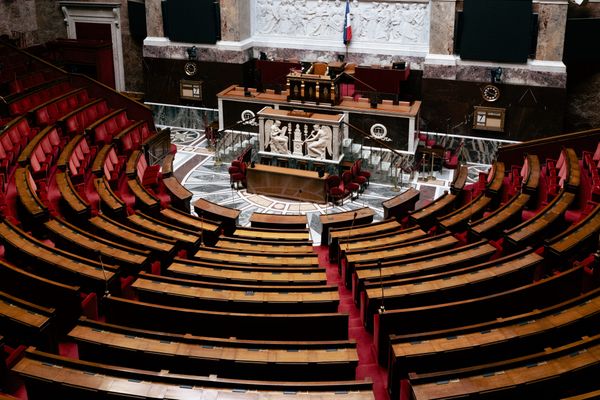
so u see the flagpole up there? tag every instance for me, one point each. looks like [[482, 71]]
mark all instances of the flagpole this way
[[347, 28]]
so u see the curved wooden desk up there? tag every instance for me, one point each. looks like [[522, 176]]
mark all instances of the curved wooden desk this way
[[295, 184]]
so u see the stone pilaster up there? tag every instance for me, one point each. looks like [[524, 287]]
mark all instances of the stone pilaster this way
[[154, 20], [235, 20], [551, 29], [441, 31]]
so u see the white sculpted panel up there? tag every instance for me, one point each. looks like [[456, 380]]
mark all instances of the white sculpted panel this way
[[399, 22]]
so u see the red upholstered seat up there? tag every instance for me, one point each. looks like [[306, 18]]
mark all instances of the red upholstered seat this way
[[349, 185], [362, 172], [239, 177], [357, 177], [334, 190]]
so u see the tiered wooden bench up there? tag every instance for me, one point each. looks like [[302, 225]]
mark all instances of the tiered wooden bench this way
[[318, 326], [241, 257], [250, 299], [549, 373], [407, 249], [419, 268], [363, 231], [227, 358], [425, 216], [489, 278], [47, 375], [159, 247], [228, 216], [244, 274], [83, 243], [272, 234], [539, 294], [502, 339], [27, 323], [348, 219], [399, 206], [278, 221], [57, 264], [264, 246]]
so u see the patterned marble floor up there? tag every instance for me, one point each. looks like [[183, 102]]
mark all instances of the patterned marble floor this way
[[196, 169]]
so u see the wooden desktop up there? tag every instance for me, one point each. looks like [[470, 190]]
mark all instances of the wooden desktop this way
[[288, 183]]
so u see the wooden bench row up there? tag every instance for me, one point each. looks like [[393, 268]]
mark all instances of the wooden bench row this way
[[228, 358], [60, 377]]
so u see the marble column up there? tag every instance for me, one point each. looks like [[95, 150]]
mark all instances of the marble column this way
[[154, 20], [235, 20], [552, 21], [441, 31]]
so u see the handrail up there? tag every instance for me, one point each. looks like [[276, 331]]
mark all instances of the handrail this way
[[220, 143], [512, 154]]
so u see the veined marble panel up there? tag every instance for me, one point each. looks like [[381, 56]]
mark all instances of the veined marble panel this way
[[388, 24], [360, 58], [183, 117], [526, 74]]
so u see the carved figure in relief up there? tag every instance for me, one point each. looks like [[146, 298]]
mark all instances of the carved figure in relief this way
[[319, 142], [268, 18], [278, 139], [287, 16], [335, 20], [382, 29], [369, 20]]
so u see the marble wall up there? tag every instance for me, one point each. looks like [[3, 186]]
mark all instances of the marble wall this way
[[583, 89], [31, 22], [235, 19], [132, 55], [551, 31], [442, 27], [154, 18]]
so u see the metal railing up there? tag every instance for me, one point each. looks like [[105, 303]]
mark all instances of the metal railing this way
[[229, 142]]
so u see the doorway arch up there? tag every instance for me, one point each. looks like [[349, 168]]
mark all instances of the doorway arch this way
[[98, 13]]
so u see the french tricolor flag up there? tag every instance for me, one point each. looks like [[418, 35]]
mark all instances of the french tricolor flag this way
[[347, 25]]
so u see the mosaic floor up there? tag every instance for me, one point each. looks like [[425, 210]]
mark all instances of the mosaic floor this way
[[196, 169]]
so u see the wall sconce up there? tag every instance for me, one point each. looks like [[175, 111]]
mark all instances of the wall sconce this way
[[496, 75], [192, 52]]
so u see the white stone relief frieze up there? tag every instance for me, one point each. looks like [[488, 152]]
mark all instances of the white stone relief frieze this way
[[401, 22]]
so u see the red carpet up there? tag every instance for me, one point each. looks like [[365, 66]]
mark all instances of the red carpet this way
[[367, 361]]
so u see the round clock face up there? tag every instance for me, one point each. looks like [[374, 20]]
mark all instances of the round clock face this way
[[190, 68], [490, 93]]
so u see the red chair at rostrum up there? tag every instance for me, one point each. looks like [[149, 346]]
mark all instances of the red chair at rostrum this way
[[334, 190]]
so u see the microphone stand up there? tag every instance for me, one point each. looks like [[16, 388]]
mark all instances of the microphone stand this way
[[382, 306], [201, 229], [350, 230], [106, 291]]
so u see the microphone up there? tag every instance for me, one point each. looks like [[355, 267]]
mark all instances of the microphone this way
[[201, 228], [382, 306], [350, 230], [99, 197], [106, 291]]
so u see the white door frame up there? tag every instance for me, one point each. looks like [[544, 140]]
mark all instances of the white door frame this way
[[98, 13]]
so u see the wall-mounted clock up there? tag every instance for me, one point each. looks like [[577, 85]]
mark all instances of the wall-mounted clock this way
[[490, 93], [190, 68]]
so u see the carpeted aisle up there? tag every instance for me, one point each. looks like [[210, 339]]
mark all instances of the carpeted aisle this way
[[367, 361]]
